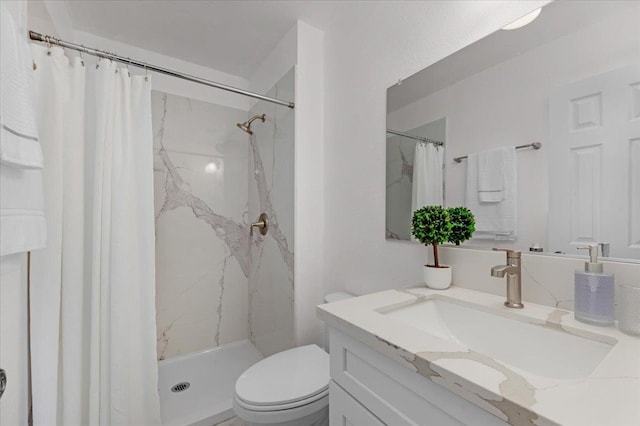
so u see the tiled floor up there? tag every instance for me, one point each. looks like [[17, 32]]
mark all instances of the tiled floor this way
[[231, 422]]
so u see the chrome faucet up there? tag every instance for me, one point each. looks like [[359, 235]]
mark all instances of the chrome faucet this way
[[514, 278]]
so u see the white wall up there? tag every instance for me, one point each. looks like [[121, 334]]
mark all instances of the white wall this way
[[309, 182], [276, 64], [364, 56], [507, 104]]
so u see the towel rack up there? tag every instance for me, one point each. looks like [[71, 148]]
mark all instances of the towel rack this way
[[534, 145]]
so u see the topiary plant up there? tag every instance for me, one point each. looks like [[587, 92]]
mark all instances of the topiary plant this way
[[463, 224], [431, 226]]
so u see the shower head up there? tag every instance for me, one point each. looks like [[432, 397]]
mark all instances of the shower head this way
[[246, 126]]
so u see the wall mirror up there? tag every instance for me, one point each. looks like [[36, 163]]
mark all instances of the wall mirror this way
[[569, 81]]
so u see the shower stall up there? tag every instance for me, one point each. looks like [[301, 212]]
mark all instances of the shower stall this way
[[224, 296]]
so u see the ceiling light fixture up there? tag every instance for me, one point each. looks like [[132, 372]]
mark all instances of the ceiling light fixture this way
[[521, 22]]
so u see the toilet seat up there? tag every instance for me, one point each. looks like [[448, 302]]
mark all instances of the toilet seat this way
[[280, 407], [284, 387], [288, 379], [277, 417]]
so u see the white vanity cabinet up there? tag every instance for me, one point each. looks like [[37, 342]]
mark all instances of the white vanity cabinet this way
[[367, 388], [345, 410]]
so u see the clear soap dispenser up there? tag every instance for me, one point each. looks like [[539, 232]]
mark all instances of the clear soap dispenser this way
[[594, 292]]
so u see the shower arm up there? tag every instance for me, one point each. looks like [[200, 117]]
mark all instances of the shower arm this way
[[262, 117]]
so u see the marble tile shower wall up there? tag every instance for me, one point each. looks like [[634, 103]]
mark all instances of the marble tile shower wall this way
[[271, 190], [202, 240]]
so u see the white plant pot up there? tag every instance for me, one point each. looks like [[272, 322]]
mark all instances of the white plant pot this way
[[437, 278]]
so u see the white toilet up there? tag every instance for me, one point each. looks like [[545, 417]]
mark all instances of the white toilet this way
[[290, 388]]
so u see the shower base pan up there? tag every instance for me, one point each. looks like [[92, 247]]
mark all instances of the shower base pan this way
[[197, 389]]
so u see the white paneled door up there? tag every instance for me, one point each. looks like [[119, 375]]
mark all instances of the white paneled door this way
[[594, 164]]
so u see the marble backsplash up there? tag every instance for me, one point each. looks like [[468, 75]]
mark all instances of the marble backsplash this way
[[546, 279], [271, 190], [202, 238]]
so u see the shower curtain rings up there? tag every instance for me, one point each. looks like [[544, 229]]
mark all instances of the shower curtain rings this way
[[47, 39]]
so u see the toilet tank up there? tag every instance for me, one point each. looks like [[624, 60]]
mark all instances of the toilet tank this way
[[330, 298]]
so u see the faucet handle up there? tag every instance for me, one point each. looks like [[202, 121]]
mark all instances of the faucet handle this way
[[510, 253], [262, 224], [605, 249]]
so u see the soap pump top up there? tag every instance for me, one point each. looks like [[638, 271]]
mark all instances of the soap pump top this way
[[592, 266]]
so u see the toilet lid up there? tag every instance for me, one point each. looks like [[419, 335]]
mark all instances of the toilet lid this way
[[293, 375]]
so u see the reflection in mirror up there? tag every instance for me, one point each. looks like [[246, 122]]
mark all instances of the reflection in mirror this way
[[415, 161], [569, 80]]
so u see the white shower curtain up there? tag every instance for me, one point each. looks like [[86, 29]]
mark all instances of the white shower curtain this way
[[92, 306], [428, 188]]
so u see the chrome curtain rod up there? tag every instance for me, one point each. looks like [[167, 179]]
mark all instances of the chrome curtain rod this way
[[112, 56], [534, 145], [418, 138]]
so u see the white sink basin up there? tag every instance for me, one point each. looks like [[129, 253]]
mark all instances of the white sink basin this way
[[534, 348]]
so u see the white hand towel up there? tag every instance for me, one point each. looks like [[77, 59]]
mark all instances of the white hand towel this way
[[19, 146], [22, 215], [491, 174], [497, 220]]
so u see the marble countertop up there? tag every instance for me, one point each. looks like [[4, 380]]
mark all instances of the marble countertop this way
[[610, 395]]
